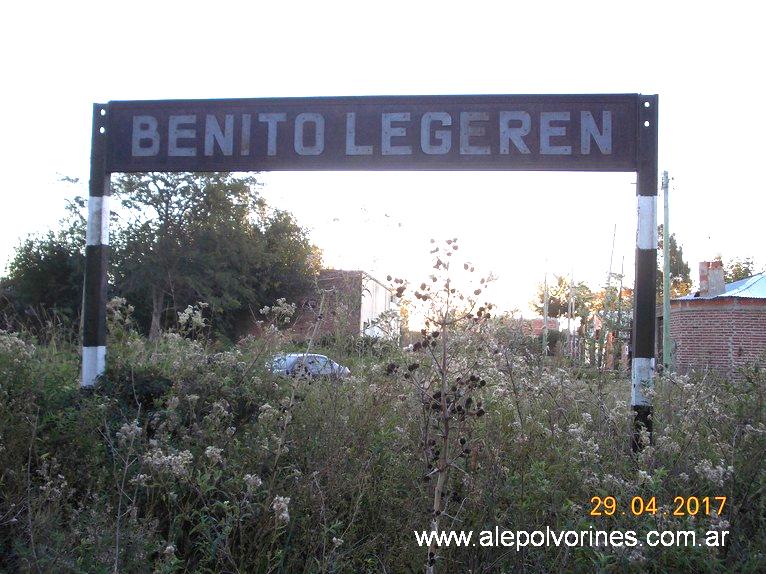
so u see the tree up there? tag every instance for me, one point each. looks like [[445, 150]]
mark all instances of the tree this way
[[181, 239], [206, 237], [738, 268], [46, 272], [680, 276], [558, 299], [612, 309]]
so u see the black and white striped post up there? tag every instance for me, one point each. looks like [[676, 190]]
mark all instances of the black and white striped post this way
[[644, 297], [96, 256]]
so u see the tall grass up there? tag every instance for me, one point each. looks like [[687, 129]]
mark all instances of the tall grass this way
[[191, 458]]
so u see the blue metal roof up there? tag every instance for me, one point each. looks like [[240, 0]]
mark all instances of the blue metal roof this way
[[749, 288]]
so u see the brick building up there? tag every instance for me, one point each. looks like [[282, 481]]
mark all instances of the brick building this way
[[722, 326], [534, 327], [351, 303]]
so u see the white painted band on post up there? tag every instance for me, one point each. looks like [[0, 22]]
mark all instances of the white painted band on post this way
[[97, 232], [93, 364], [646, 236], [642, 378]]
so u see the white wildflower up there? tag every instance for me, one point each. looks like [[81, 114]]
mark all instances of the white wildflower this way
[[719, 523], [281, 311], [214, 454], [280, 507], [140, 480], [128, 432], [191, 317], [636, 555], [576, 430], [176, 464], [115, 303], [14, 350], [221, 408], [252, 481], [267, 413], [716, 474]]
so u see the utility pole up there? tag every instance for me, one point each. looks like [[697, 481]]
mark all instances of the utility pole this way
[[602, 338], [545, 316], [618, 345], [666, 342], [570, 315]]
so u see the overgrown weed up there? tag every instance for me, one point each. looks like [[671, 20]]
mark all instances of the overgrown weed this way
[[189, 458]]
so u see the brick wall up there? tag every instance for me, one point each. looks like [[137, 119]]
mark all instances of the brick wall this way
[[723, 333], [342, 292], [534, 327]]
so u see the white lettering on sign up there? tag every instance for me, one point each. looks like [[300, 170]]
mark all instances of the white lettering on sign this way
[[318, 146], [389, 132], [247, 122], [145, 128], [468, 131], [224, 138], [480, 133], [589, 129], [175, 133], [514, 133], [442, 137], [352, 148], [272, 120], [547, 131]]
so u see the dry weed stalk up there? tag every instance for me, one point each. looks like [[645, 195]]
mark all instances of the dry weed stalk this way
[[446, 376]]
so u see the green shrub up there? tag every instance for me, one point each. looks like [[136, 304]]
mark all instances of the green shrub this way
[[191, 458]]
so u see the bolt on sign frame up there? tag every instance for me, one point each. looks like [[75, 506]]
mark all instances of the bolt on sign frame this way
[[612, 132]]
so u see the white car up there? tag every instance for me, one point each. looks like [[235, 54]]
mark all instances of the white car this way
[[307, 365]]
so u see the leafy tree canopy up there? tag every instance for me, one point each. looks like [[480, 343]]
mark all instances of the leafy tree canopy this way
[[46, 272], [176, 239], [680, 275], [558, 298], [211, 238], [739, 268], [613, 306]]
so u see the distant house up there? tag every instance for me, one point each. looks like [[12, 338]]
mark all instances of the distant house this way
[[534, 327], [348, 303], [722, 326]]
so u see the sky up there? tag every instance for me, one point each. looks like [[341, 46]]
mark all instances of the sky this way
[[702, 59]]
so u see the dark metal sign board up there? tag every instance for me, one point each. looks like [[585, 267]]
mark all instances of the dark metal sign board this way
[[545, 132]]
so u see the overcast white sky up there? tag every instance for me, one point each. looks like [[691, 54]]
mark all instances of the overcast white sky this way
[[704, 60]]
